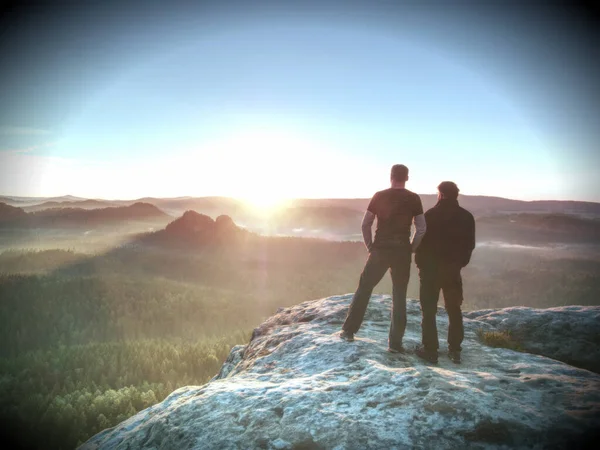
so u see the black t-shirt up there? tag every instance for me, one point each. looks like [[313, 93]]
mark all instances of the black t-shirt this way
[[395, 209]]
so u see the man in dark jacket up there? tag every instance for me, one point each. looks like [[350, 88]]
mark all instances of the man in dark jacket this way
[[396, 209], [445, 249]]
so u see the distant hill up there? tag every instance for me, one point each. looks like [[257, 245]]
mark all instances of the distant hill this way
[[221, 239], [336, 219], [213, 206], [196, 230], [69, 217], [10, 213], [28, 201], [495, 204], [478, 205], [11, 201], [25, 201], [538, 228], [84, 204]]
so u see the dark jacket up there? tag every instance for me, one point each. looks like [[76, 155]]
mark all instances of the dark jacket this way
[[450, 235]]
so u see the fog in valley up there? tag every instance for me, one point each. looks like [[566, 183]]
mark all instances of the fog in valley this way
[[535, 245]]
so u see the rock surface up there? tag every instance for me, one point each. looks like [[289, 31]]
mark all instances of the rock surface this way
[[569, 333], [297, 385]]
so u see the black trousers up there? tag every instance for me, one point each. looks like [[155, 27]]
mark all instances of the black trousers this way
[[444, 276], [379, 261]]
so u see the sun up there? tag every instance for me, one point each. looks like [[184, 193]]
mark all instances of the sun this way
[[258, 166], [265, 204], [265, 167]]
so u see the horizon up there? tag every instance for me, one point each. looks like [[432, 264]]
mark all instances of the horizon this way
[[266, 206], [267, 102]]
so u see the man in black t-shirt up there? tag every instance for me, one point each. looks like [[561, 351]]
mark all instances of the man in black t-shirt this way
[[396, 209]]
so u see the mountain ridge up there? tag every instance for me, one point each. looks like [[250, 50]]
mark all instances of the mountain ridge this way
[[16, 217], [475, 202]]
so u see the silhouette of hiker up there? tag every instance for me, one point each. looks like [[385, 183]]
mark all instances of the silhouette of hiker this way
[[445, 249], [395, 208]]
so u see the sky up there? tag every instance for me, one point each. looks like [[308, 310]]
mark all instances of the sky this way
[[271, 100]]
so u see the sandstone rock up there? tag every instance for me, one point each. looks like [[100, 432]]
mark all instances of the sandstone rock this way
[[194, 229], [226, 231], [224, 222], [298, 385], [569, 333], [191, 223]]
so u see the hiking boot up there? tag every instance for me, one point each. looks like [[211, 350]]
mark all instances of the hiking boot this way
[[427, 355], [454, 356], [347, 336], [396, 350]]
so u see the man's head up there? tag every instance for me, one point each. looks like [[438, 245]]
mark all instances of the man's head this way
[[448, 190], [399, 174]]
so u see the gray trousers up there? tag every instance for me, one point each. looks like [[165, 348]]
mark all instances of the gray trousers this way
[[397, 260]]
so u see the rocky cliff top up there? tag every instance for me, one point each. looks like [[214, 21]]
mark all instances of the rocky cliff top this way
[[297, 385]]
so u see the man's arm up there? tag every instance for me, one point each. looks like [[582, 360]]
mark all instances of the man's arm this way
[[470, 241], [420, 228], [367, 231]]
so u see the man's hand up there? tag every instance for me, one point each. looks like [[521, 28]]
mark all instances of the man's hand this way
[[367, 231]]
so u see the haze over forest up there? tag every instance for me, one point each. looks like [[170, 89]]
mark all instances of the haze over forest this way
[[333, 219]]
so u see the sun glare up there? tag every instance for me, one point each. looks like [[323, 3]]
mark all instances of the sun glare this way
[[259, 163], [265, 204]]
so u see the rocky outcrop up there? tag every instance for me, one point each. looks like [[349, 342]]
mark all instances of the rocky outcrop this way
[[195, 229], [225, 227], [569, 333], [191, 223], [296, 385]]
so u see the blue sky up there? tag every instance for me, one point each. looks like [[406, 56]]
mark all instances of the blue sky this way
[[269, 101]]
